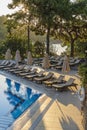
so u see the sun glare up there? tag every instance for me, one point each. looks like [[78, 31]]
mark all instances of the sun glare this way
[[4, 10]]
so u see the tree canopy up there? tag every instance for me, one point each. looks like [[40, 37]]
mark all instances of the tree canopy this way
[[3, 30], [64, 20]]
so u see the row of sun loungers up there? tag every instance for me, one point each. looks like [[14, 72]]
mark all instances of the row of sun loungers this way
[[47, 78], [57, 62], [73, 62]]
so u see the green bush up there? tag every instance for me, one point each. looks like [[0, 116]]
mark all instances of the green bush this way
[[14, 43], [39, 48], [83, 74], [80, 48]]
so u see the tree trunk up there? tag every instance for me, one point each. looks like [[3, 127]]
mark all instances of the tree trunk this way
[[84, 111], [48, 40], [72, 48], [28, 44]]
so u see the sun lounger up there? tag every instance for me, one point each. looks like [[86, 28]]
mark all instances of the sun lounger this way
[[56, 65], [24, 72], [71, 60], [31, 77], [60, 79], [8, 67], [65, 85], [46, 77], [18, 71], [30, 72], [75, 63], [16, 68], [59, 67], [4, 64]]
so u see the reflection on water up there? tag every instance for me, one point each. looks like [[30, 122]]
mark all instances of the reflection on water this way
[[13, 100], [17, 86], [28, 93], [20, 90], [7, 100], [20, 96], [8, 81]]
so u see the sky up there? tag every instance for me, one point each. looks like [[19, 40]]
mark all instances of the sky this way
[[3, 7]]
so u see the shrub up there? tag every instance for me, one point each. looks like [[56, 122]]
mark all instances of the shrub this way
[[39, 49], [83, 74]]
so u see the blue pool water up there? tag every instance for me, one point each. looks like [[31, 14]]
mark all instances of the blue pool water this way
[[15, 98]]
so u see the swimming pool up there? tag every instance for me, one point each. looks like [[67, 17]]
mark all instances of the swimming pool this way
[[15, 98]]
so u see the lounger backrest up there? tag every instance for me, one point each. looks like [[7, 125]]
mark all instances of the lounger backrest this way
[[41, 72], [61, 77], [28, 69], [77, 61], [49, 75], [34, 70], [21, 66], [11, 63], [60, 62], [3, 62], [72, 60], [6, 63], [16, 66], [70, 81]]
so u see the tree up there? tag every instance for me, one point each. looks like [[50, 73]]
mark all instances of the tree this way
[[72, 26], [63, 16], [39, 48], [71, 32], [62, 19], [44, 12], [15, 43], [80, 48], [3, 30], [10, 25], [83, 74], [23, 16]]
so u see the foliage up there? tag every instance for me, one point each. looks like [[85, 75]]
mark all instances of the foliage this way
[[74, 26], [15, 43], [80, 48], [39, 49], [83, 74], [10, 25], [63, 19], [3, 30], [24, 16], [44, 11]]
